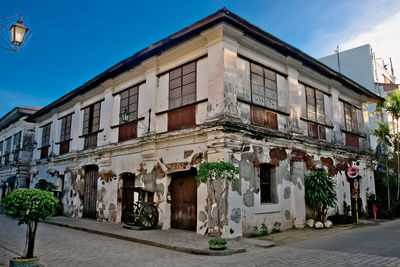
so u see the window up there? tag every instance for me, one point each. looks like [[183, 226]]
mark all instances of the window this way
[[351, 125], [7, 151], [44, 150], [65, 137], [91, 124], [267, 184], [16, 146], [1, 152], [128, 114], [182, 85], [263, 95], [316, 113], [182, 92]]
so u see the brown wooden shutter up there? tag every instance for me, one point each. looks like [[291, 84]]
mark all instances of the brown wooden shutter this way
[[352, 140], [313, 130], [181, 118], [127, 131]]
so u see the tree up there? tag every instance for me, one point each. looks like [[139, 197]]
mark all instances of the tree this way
[[29, 206], [320, 193], [382, 132], [215, 174], [392, 105]]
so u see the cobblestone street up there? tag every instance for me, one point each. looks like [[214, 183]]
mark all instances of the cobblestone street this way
[[58, 246]]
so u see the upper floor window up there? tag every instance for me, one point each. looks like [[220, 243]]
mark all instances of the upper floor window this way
[[16, 146], [182, 93], [128, 114], [264, 94], [182, 85], [44, 150], [91, 124], [7, 150], [351, 125], [1, 152], [65, 137], [315, 112]]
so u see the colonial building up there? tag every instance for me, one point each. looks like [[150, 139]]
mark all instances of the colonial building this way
[[16, 145], [221, 89]]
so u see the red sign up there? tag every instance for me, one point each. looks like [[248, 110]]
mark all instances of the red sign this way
[[352, 172]]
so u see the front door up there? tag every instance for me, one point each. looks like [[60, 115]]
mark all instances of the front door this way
[[90, 197], [184, 200]]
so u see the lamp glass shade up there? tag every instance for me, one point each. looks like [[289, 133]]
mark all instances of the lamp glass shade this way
[[125, 115], [18, 32]]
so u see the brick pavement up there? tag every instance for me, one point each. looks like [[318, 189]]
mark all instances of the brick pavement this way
[[58, 246]]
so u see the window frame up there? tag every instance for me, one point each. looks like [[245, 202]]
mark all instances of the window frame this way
[[44, 149], [129, 104], [351, 131], [7, 150], [182, 84], [93, 124], [316, 126], [17, 136], [65, 134]]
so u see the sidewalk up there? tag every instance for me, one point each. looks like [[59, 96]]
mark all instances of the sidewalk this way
[[179, 240]]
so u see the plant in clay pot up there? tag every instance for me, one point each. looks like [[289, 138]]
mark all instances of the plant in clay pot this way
[[216, 175], [29, 206]]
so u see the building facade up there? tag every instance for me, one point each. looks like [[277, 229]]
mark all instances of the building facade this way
[[219, 90], [360, 65], [16, 146]]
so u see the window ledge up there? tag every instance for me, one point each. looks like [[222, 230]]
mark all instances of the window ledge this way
[[95, 132], [358, 134], [264, 107], [316, 122], [267, 208], [172, 109], [121, 124], [43, 147], [57, 143]]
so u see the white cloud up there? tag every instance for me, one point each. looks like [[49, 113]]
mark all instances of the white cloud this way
[[377, 22], [384, 38]]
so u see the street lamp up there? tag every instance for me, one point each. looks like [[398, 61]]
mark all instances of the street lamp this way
[[16, 34]]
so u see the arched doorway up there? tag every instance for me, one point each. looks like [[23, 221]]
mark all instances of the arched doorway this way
[[90, 196], [184, 200]]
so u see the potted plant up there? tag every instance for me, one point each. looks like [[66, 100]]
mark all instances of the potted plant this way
[[215, 175], [29, 206], [320, 193]]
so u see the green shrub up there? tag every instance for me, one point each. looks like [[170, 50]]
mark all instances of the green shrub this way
[[320, 193], [276, 228], [29, 206], [217, 243]]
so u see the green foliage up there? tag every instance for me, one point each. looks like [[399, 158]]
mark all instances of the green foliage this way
[[42, 184], [346, 208], [210, 171], [29, 205], [217, 243], [320, 193], [264, 229], [276, 228]]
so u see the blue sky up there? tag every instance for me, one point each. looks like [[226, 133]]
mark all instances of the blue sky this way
[[73, 41]]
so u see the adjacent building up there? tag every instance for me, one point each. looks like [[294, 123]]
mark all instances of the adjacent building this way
[[16, 146], [221, 89], [360, 65]]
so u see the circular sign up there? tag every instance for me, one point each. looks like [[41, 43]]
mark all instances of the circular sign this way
[[352, 172]]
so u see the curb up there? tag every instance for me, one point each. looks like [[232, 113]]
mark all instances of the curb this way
[[153, 243]]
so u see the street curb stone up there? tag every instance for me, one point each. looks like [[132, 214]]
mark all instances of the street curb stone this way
[[195, 251]]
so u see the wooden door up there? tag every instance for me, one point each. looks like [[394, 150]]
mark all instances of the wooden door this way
[[128, 195], [184, 201], [90, 197]]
